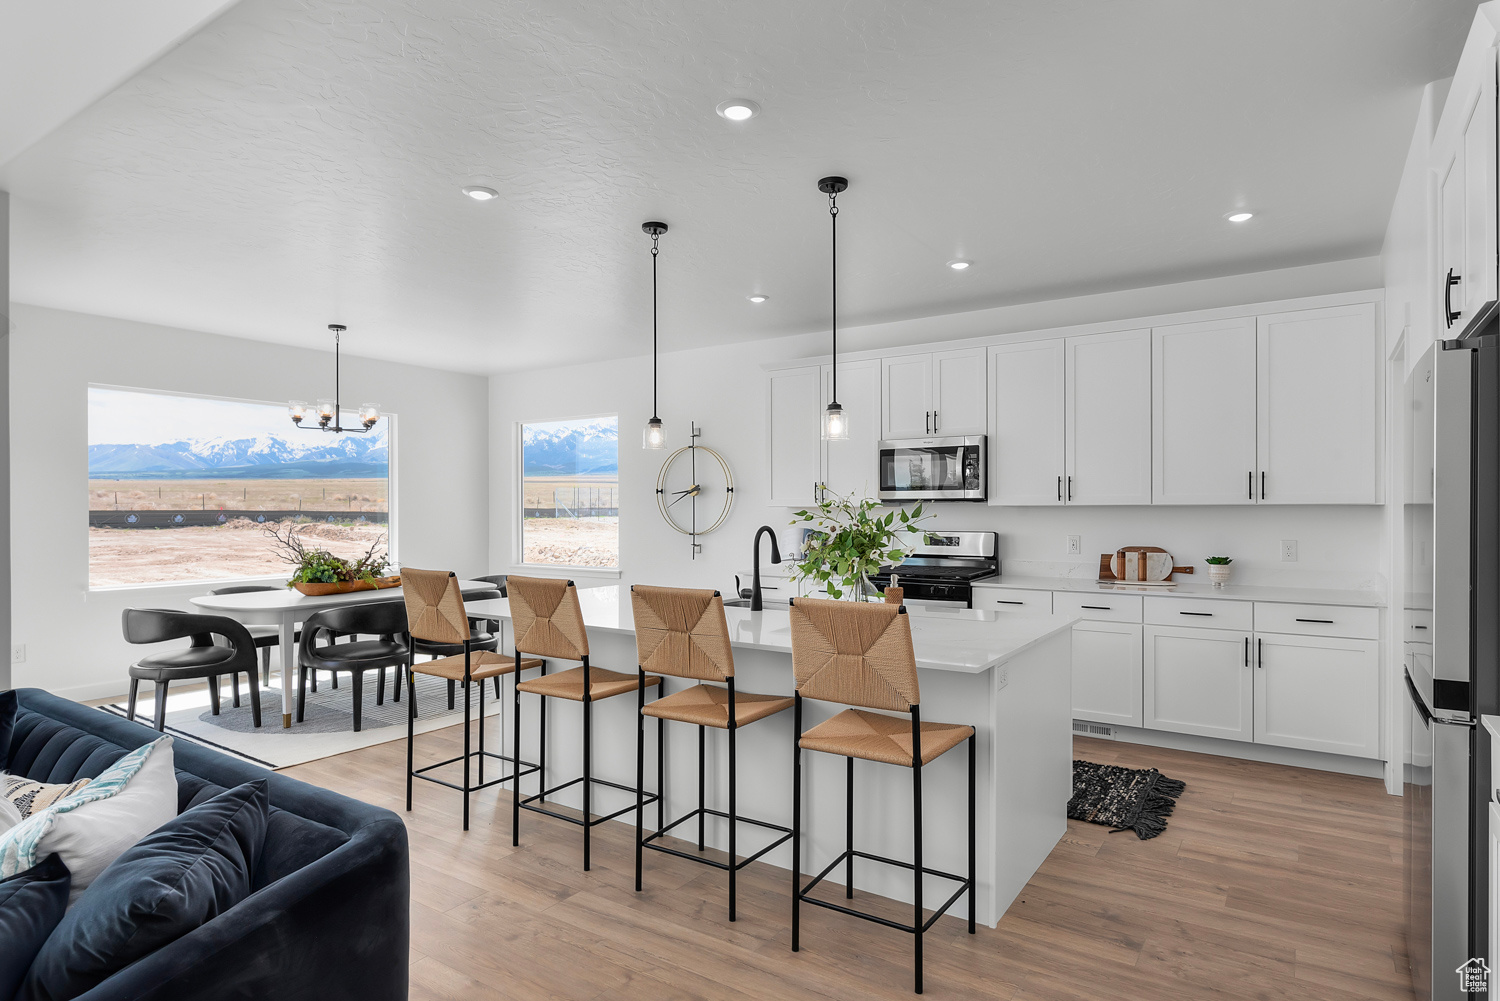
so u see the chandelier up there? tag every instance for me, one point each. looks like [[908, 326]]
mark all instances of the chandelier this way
[[328, 410]]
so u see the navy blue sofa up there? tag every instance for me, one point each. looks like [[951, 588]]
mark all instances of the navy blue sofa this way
[[330, 915]]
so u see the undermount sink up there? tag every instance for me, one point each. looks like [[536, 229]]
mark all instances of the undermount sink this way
[[766, 602]]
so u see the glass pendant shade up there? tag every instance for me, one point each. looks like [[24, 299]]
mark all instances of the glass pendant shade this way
[[369, 413], [835, 423], [298, 410], [654, 437]]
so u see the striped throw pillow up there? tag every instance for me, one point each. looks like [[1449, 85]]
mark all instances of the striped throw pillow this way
[[29, 796]]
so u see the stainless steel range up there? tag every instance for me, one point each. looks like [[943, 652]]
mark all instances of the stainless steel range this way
[[943, 570]]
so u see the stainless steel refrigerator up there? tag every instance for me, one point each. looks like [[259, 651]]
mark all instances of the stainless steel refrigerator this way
[[1451, 652]]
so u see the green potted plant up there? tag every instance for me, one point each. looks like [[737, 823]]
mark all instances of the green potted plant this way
[[850, 540], [317, 571], [1218, 569]]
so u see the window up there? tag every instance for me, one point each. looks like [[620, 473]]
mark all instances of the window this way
[[570, 493], [181, 487]]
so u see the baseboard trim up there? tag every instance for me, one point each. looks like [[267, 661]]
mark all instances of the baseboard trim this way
[[1291, 756], [88, 693]]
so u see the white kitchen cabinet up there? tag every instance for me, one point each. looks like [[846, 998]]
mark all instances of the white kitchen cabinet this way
[[794, 413], [1318, 378], [1462, 161], [1203, 412], [1107, 672], [1318, 693], [1198, 681], [1107, 428], [851, 466], [944, 393], [1026, 423]]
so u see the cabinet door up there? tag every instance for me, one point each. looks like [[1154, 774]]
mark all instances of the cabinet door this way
[[1448, 171], [1203, 413], [959, 392], [1318, 693], [1478, 286], [1198, 681], [907, 388], [793, 422], [1107, 672], [1318, 377], [1026, 423], [852, 464], [1108, 422]]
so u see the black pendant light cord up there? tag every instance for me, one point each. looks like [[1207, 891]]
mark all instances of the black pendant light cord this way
[[833, 212], [655, 238]]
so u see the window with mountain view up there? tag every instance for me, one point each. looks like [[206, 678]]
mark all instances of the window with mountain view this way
[[570, 493], [182, 488]]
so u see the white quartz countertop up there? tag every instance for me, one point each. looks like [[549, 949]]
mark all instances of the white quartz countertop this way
[[964, 640], [1195, 589]]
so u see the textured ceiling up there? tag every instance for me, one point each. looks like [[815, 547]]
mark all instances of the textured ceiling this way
[[297, 163]]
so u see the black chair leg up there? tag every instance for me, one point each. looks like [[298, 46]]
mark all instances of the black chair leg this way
[[640, 774], [302, 690], [497, 688], [797, 825], [213, 693], [135, 687], [701, 801], [734, 858], [234, 686], [254, 698], [411, 734], [849, 829], [973, 845], [916, 840], [315, 682], [161, 706], [380, 686], [396, 687], [357, 679], [481, 733], [265, 666], [450, 696], [588, 773], [515, 785], [466, 755]]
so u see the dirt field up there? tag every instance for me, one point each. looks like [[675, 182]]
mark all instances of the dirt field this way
[[571, 491], [222, 552], [578, 542], [239, 495]]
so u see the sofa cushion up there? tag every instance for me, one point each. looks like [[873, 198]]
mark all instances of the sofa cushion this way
[[7, 725], [179, 877], [89, 829], [9, 815], [31, 905]]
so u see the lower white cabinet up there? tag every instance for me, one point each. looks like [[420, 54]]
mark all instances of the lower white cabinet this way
[[1198, 681], [1318, 693], [1107, 672]]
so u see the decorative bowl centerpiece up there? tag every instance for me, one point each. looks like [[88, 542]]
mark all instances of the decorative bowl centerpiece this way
[[319, 572]]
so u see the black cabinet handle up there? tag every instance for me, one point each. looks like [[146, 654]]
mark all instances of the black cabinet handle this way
[[1448, 310], [1419, 627], [1002, 601], [1098, 608], [1059, 488], [1250, 485], [1196, 613], [1260, 654], [1262, 484], [935, 424], [1326, 622], [1070, 488], [1247, 651]]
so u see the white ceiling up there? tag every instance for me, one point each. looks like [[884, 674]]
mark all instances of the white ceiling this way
[[298, 162]]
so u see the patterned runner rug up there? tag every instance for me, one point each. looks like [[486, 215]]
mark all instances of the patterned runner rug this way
[[1127, 799]]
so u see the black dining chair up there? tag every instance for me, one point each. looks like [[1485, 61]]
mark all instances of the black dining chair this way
[[266, 637], [202, 659], [485, 625], [385, 620]]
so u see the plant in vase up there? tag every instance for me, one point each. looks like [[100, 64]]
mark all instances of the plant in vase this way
[[849, 541], [318, 566], [1218, 569]]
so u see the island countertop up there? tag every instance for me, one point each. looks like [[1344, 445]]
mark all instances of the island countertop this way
[[963, 640]]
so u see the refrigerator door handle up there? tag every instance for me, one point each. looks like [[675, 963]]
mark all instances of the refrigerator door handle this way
[[1416, 698]]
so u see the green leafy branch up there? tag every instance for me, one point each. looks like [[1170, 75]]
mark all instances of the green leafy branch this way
[[851, 540]]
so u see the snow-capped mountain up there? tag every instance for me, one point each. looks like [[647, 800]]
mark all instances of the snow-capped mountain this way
[[581, 448], [260, 451]]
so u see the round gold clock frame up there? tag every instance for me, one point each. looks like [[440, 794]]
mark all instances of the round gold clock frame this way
[[667, 500]]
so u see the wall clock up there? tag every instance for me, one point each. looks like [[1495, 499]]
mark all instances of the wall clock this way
[[695, 490]]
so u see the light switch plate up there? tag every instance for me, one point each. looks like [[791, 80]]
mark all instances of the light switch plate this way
[[1289, 550]]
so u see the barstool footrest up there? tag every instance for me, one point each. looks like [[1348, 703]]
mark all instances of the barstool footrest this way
[[965, 884], [528, 767], [648, 841], [529, 802]]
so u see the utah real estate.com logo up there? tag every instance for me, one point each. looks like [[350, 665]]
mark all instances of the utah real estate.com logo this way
[[1474, 977]]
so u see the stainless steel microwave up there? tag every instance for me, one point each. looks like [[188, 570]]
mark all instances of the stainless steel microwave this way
[[933, 469]]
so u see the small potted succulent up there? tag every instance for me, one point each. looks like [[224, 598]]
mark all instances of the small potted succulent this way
[[1218, 569]]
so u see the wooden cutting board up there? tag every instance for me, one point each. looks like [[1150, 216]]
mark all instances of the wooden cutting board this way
[[1139, 565]]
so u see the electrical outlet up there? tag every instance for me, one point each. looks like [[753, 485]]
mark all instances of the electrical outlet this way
[[1289, 550], [1075, 545], [18, 653]]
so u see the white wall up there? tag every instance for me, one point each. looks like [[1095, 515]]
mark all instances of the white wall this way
[[4, 438], [723, 390], [72, 634]]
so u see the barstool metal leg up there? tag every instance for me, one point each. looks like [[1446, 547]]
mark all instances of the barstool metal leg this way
[[515, 796], [849, 829], [411, 732], [796, 823], [466, 756], [542, 734], [733, 819], [481, 733], [640, 773], [973, 847], [701, 801], [661, 771], [916, 838], [588, 771]]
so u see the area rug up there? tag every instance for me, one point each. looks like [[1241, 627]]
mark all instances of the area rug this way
[[328, 724], [1127, 799]]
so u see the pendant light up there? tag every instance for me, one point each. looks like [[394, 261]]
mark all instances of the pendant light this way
[[328, 411], [835, 421], [654, 436]]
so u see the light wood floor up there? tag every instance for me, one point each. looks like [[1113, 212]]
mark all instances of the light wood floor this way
[[1269, 883]]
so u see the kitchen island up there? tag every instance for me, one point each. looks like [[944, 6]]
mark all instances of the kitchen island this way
[[1007, 676]]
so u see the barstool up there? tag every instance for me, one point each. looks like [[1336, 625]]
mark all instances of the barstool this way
[[860, 654], [435, 616], [548, 622], [681, 632]]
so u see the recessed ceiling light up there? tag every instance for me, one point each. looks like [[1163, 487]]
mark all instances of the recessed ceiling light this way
[[757, 297], [480, 193], [738, 110], [1240, 216], [960, 264]]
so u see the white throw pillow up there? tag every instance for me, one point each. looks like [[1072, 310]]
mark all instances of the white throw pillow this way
[[9, 815], [95, 825]]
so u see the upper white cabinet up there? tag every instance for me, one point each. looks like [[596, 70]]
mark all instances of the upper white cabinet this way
[[850, 466], [1318, 375], [1203, 412], [1108, 418], [1026, 427], [794, 435], [934, 394], [1462, 161]]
